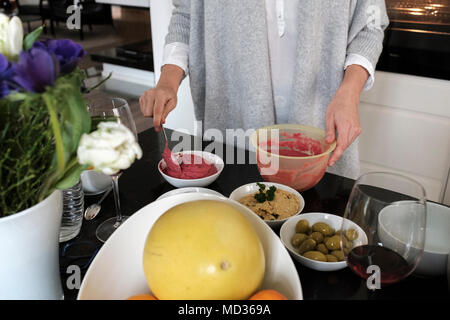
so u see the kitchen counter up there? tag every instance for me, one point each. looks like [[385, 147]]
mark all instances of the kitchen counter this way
[[142, 184]]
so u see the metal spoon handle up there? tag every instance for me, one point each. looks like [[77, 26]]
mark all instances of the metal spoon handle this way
[[164, 132], [104, 196]]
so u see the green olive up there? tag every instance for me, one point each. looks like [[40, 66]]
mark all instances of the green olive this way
[[333, 243], [307, 245], [298, 238], [323, 228], [331, 258], [315, 255], [317, 236], [338, 232], [302, 226], [351, 234], [322, 248], [347, 243], [338, 254]]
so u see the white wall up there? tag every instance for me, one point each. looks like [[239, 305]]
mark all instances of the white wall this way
[[183, 116]]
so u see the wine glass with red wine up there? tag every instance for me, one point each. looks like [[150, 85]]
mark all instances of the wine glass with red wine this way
[[391, 209]]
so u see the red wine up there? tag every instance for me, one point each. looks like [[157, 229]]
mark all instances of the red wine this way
[[393, 266]]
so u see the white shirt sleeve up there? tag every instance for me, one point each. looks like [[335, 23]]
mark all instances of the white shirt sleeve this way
[[354, 58], [177, 53]]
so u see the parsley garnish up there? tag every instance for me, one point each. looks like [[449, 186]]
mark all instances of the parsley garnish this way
[[263, 195]]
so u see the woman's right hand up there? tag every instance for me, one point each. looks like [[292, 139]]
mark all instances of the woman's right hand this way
[[161, 100]]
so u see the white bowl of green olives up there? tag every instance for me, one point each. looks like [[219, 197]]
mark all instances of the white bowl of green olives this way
[[314, 239]]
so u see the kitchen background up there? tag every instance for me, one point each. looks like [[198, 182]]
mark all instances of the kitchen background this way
[[405, 117]]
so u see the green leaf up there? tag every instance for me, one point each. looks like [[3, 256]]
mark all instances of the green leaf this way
[[261, 186], [60, 152], [270, 194], [31, 38], [77, 120], [71, 177], [260, 197]]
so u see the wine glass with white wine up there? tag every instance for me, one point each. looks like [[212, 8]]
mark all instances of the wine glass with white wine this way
[[112, 109]]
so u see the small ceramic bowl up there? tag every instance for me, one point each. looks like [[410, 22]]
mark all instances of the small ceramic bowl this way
[[252, 188], [203, 182], [288, 230], [95, 182]]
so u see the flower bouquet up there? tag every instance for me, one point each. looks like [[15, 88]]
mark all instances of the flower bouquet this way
[[43, 118]]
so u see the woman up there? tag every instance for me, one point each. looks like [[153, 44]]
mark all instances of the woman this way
[[254, 63]]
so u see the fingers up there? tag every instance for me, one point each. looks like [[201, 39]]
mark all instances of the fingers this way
[[146, 102], [346, 135], [160, 102], [330, 130], [157, 103], [170, 105], [340, 148]]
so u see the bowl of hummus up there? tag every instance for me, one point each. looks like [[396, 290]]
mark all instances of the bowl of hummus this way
[[272, 202]]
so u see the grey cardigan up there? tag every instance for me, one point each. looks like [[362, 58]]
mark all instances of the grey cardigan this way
[[229, 68]]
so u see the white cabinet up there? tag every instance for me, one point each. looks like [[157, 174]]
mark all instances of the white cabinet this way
[[406, 129]]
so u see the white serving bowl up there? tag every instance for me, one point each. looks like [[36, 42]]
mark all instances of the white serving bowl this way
[[188, 190], [117, 270], [437, 235], [251, 188], [203, 182], [288, 230]]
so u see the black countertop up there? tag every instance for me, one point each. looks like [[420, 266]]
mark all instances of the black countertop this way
[[142, 184], [135, 55]]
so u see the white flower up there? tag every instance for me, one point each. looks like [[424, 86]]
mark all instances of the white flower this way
[[109, 149], [11, 36]]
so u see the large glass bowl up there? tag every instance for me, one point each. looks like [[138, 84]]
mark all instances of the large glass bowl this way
[[298, 172]]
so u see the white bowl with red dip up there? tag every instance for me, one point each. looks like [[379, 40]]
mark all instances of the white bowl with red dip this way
[[202, 169], [291, 154]]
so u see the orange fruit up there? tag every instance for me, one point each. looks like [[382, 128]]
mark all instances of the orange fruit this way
[[267, 295], [143, 297]]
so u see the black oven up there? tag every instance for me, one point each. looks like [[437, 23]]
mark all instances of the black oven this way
[[417, 41]]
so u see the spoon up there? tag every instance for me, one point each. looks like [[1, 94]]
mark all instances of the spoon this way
[[93, 210], [172, 156], [164, 132]]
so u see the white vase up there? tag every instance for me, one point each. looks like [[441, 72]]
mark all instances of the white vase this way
[[29, 252]]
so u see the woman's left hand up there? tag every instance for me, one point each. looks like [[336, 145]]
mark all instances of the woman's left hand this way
[[342, 118]]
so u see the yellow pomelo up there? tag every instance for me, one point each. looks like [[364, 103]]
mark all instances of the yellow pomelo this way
[[203, 250]]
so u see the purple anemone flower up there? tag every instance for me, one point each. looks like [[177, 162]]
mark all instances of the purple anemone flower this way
[[5, 76], [35, 70], [69, 53]]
